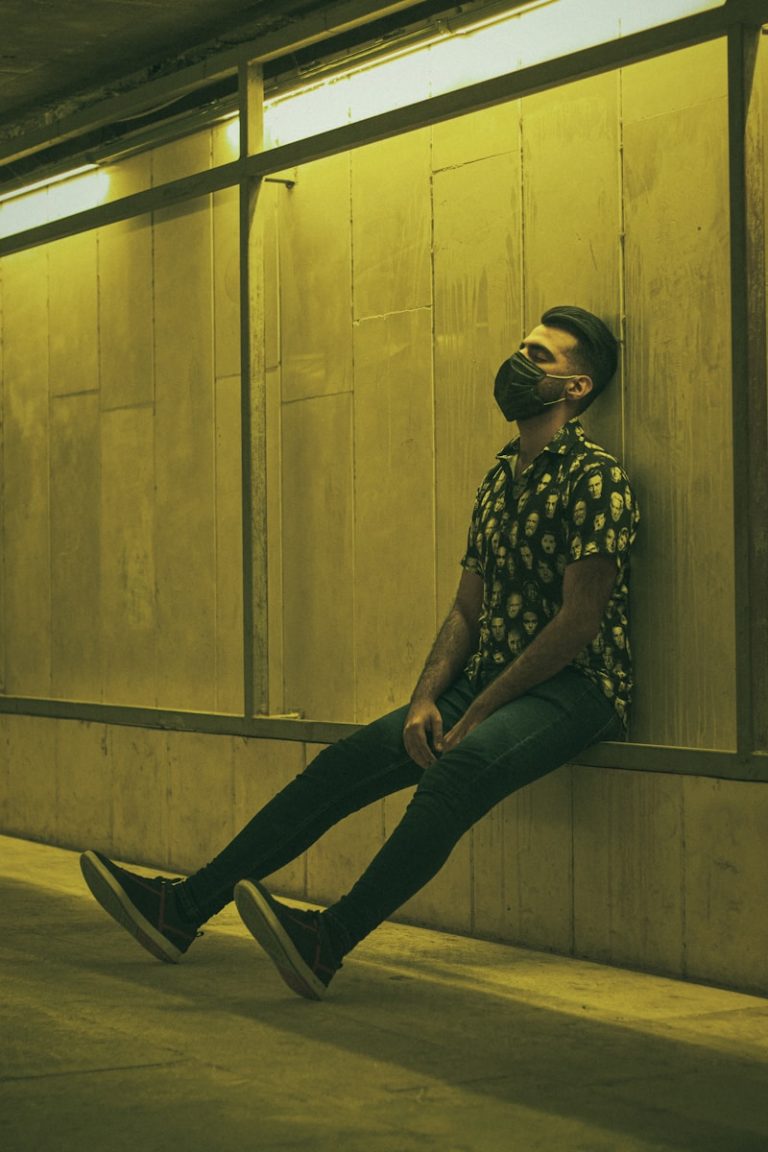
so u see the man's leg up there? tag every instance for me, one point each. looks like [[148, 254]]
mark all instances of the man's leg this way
[[518, 744], [165, 916]]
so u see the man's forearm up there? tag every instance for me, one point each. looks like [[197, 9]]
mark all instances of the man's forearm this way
[[554, 648], [454, 644]]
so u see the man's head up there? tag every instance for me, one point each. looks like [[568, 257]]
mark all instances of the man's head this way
[[592, 349], [568, 358]]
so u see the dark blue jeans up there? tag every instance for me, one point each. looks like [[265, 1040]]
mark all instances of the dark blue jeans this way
[[518, 744]]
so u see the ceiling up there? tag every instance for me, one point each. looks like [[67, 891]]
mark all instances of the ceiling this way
[[56, 55]]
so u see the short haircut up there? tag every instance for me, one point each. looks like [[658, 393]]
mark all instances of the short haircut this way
[[597, 349]]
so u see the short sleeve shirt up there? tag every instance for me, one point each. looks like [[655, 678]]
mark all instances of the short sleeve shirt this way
[[573, 501]]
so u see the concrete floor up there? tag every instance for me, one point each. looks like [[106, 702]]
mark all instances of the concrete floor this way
[[426, 1041]]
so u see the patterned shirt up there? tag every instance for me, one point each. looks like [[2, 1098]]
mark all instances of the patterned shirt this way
[[574, 500]]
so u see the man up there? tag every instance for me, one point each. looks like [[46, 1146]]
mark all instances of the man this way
[[496, 707]]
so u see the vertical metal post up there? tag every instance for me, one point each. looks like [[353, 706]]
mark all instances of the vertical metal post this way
[[253, 408], [756, 96], [748, 335]]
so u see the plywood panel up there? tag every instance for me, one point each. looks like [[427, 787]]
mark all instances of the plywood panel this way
[[391, 227], [394, 508], [726, 884], [629, 843], [678, 415], [75, 548], [759, 127], [343, 853], [181, 158], [229, 548], [200, 798], [128, 594], [31, 806], [2, 508], [544, 865], [522, 866], [261, 769], [138, 766], [83, 785], [274, 540], [572, 214], [184, 541], [478, 321], [495, 909], [226, 263], [315, 280], [126, 321], [671, 83], [268, 222], [447, 898], [318, 574], [7, 781], [488, 132], [26, 474], [134, 174], [73, 334]]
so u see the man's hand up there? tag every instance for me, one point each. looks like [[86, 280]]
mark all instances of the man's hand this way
[[423, 720], [462, 728]]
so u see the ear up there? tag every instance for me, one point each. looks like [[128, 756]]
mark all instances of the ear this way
[[579, 388]]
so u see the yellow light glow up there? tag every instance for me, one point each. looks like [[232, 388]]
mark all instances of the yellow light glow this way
[[46, 183], [233, 133], [456, 57], [53, 200]]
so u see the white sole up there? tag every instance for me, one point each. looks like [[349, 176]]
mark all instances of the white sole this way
[[265, 928], [108, 893]]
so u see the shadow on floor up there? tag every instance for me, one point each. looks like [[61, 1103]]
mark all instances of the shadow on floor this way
[[397, 1011]]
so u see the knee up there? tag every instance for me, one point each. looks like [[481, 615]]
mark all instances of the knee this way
[[449, 796]]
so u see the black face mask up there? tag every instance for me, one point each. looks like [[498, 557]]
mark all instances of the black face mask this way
[[515, 388]]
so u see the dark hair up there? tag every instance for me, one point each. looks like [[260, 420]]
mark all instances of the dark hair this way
[[597, 349]]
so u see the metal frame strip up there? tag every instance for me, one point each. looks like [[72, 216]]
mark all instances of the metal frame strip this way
[[252, 406], [609, 754]]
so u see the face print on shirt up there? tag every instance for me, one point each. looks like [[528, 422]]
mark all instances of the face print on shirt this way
[[573, 502]]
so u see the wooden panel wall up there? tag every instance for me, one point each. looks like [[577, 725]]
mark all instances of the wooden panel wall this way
[[609, 193], [122, 511], [678, 394]]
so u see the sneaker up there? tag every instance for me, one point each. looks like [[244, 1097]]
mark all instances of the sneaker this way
[[296, 941], [146, 907]]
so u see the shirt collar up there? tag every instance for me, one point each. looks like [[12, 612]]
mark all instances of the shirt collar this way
[[565, 439]]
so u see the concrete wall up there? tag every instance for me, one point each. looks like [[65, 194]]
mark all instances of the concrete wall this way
[[396, 279]]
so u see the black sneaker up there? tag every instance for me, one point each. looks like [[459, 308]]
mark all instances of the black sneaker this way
[[296, 941], [146, 907]]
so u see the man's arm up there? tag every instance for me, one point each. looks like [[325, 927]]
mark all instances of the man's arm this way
[[587, 587], [455, 643]]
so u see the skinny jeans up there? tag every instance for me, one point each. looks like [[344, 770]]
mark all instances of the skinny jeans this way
[[518, 744]]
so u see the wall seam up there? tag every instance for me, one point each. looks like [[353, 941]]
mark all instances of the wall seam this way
[[153, 532], [50, 453], [213, 384], [353, 454], [622, 266]]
